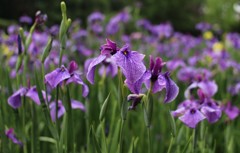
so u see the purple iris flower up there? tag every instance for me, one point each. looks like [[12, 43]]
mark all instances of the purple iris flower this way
[[107, 50], [94, 21], [54, 30], [188, 112], [156, 81], [203, 26], [234, 39], [114, 24], [131, 63], [95, 16], [64, 75], [145, 24], [193, 111], [209, 88], [25, 19], [192, 117], [211, 110], [174, 64], [235, 89], [15, 100], [61, 109], [10, 134], [231, 111], [190, 74], [163, 30], [159, 81]]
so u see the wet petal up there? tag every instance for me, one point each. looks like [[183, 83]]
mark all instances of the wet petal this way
[[57, 76], [130, 63], [15, 100], [192, 117], [77, 105], [92, 66], [171, 89], [77, 79]]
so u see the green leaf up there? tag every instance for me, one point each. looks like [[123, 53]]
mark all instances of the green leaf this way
[[104, 108], [94, 140]]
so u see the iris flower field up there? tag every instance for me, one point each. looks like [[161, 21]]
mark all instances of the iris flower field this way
[[110, 89]]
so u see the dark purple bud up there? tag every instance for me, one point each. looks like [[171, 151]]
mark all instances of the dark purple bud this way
[[110, 48], [40, 18], [152, 63], [136, 99], [19, 44], [157, 67], [72, 67]]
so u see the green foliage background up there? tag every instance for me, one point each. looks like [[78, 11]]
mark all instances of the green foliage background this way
[[183, 14]]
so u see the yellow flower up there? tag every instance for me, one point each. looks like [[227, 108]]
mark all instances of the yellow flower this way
[[208, 35], [218, 47], [6, 51]]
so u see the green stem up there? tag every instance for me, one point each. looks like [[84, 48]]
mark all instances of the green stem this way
[[23, 125], [70, 125], [194, 140], [104, 137], [171, 143], [56, 111], [121, 136], [149, 141], [34, 138]]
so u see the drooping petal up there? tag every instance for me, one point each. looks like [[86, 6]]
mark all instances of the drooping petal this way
[[209, 88], [171, 89], [130, 63], [92, 66], [211, 111], [61, 110], [77, 105], [15, 100], [57, 76], [77, 79], [136, 87], [231, 111], [33, 94], [10, 134], [192, 117]]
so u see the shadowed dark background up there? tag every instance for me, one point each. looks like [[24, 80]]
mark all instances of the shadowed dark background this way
[[183, 14]]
